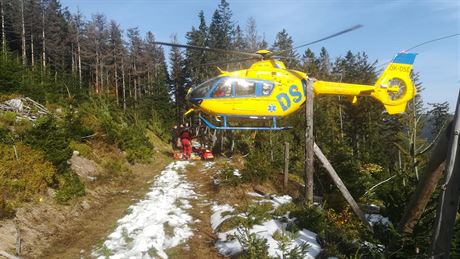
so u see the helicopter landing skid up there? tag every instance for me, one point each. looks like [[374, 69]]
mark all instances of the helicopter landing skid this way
[[226, 127]]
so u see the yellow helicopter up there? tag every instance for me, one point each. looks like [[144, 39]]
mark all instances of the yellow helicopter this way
[[269, 90]]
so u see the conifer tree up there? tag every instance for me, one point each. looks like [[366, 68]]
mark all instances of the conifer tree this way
[[221, 30], [194, 59], [135, 43], [178, 80], [283, 42], [116, 47]]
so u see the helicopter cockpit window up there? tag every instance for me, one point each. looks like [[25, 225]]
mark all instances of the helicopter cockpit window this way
[[244, 87], [267, 88], [202, 90], [223, 89]]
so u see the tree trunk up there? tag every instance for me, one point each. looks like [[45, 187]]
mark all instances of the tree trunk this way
[[149, 86], [96, 86], [101, 77], [341, 119], [135, 81], [3, 28], [286, 166], [32, 58], [79, 57], [123, 81], [43, 42], [426, 185], [116, 83], [74, 67], [23, 35], [450, 196], [413, 147]]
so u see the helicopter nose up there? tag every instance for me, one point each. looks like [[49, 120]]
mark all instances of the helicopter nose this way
[[193, 101]]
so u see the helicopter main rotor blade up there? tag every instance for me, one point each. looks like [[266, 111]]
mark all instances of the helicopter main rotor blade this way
[[323, 39], [226, 62], [253, 55]]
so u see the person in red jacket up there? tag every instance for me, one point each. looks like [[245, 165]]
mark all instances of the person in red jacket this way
[[186, 140]]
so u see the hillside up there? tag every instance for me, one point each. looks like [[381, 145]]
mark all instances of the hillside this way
[[86, 164]]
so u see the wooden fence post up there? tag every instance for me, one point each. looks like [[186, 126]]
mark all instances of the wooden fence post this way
[[449, 198], [286, 166], [309, 143], [341, 186]]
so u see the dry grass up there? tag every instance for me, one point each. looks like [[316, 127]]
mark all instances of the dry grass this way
[[109, 203]]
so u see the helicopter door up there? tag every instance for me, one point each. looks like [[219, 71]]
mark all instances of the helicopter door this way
[[245, 95]]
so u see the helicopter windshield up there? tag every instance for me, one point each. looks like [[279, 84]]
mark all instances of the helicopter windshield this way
[[223, 89], [202, 90]]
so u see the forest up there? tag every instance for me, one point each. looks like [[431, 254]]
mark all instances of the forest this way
[[105, 86]]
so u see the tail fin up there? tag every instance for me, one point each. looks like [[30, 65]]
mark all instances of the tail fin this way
[[394, 88]]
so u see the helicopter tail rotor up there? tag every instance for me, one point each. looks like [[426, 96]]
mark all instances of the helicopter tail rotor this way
[[394, 88]]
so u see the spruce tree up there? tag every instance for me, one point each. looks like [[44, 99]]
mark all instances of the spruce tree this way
[[221, 30], [194, 59], [178, 80], [283, 42]]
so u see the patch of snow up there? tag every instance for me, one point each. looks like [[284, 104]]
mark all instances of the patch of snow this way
[[216, 217], [209, 165], [377, 219], [276, 201], [255, 194], [237, 173], [231, 247], [143, 231], [280, 200], [370, 245]]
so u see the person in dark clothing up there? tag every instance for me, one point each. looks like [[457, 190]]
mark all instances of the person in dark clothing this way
[[202, 135], [186, 141], [174, 136]]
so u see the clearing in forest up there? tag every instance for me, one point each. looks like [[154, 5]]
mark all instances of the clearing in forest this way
[[187, 215]]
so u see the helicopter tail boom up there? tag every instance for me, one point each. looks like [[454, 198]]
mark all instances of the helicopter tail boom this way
[[393, 89]]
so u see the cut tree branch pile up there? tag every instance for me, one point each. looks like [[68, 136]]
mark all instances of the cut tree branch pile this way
[[25, 108]]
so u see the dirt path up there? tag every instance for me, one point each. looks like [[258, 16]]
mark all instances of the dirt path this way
[[82, 235], [201, 245], [76, 230]]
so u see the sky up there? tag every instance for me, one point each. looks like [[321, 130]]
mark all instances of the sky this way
[[389, 26]]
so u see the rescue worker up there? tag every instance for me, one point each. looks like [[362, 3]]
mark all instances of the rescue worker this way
[[186, 141], [202, 130], [174, 136]]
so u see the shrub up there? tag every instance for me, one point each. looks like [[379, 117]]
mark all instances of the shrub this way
[[7, 118], [70, 187], [82, 148], [228, 178], [127, 133], [311, 218], [6, 209], [253, 246], [47, 136], [22, 176], [283, 240], [74, 125], [114, 166], [257, 167]]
